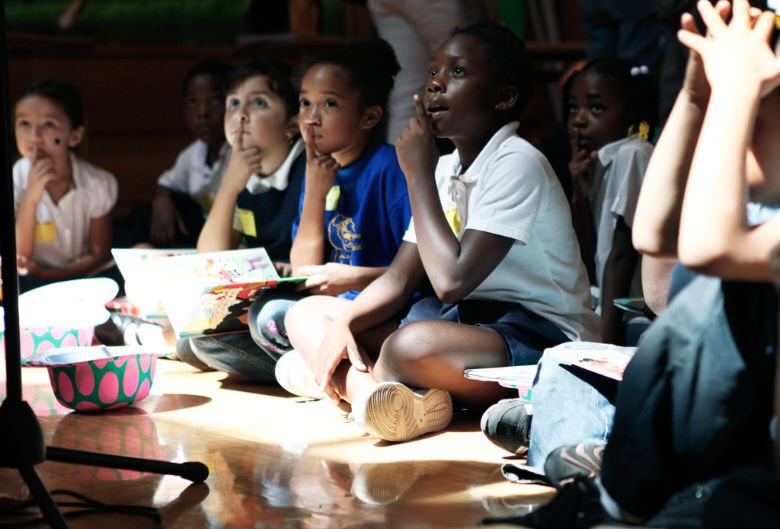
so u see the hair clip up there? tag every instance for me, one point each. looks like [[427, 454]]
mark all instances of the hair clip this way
[[639, 70]]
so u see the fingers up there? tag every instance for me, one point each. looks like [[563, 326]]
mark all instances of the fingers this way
[[740, 13], [311, 151], [765, 24], [419, 108], [712, 20], [355, 358], [692, 41], [240, 139]]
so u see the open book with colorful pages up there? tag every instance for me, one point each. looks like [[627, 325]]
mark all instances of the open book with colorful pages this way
[[210, 293], [143, 278]]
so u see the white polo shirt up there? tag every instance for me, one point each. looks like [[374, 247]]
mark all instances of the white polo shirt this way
[[192, 176], [614, 194], [62, 229], [512, 191]]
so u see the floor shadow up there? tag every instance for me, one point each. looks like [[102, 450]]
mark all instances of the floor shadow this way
[[172, 401]]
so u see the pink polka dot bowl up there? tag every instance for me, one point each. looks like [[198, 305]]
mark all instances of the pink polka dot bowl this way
[[37, 340], [100, 378]]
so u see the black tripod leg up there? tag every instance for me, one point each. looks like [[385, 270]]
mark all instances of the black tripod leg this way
[[42, 498], [193, 470]]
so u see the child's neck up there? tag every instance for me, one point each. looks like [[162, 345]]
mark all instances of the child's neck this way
[[352, 153], [59, 186], [470, 147]]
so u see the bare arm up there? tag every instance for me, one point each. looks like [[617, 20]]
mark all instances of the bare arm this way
[[616, 283], [657, 217], [218, 233], [714, 238], [308, 248], [41, 172], [455, 267], [656, 277]]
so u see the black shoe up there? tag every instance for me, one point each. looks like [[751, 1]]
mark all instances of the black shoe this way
[[576, 506], [507, 424], [568, 462]]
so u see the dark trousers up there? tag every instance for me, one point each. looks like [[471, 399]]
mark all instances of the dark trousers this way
[[696, 401]]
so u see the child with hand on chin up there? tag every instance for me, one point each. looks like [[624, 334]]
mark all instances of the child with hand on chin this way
[[63, 203], [257, 200], [491, 231]]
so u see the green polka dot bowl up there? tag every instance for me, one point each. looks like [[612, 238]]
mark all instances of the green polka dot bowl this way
[[90, 379]]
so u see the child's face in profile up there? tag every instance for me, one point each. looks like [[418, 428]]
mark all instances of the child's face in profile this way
[[331, 108], [43, 129], [461, 90], [763, 161], [257, 117], [204, 107], [597, 111]]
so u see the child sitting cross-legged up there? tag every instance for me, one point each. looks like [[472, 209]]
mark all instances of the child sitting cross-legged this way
[[492, 232]]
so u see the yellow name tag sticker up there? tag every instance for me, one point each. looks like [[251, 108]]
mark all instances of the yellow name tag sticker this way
[[332, 200], [45, 232], [246, 222], [453, 219]]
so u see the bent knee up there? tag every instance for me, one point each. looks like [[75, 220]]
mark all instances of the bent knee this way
[[408, 350]]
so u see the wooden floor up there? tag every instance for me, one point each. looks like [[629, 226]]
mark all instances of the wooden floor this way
[[275, 461]]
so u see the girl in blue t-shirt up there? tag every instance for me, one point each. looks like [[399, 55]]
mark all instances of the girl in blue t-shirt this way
[[354, 207]]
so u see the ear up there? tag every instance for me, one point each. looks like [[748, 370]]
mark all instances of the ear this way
[[76, 135], [507, 98], [291, 127], [371, 116]]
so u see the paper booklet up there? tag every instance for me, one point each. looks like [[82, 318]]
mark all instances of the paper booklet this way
[[210, 293], [140, 269], [605, 360]]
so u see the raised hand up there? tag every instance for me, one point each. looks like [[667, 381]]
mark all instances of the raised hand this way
[[416, 148], [737, 51], [244, 162], [581, 166], [321, 169], [338, 345], [41, 173]]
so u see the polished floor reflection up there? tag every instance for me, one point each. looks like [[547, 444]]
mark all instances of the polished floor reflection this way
[[275, 461]]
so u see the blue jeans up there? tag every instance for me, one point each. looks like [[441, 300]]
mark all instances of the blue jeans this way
[[567, 409], [236, 354]]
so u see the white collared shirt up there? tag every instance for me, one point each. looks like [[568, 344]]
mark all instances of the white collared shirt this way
[[192, 176], [279, 179], [62, 229], [511, 190], [614, 193]]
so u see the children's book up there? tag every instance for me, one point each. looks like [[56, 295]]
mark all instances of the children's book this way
[[210, 293], [605, 360], [141, 271], [520, 378]]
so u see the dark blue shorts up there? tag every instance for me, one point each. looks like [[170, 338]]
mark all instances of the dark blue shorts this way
[[526, 334]]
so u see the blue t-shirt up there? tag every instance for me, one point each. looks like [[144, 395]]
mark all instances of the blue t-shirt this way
[[367, 211], [266, 217]]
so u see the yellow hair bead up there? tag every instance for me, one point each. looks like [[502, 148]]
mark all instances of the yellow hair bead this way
[[644, 131]]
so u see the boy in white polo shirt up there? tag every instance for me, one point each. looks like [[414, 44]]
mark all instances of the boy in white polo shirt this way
[[63, 204]]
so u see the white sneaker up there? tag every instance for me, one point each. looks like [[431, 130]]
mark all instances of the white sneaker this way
[[393, 412], [295, 377]]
